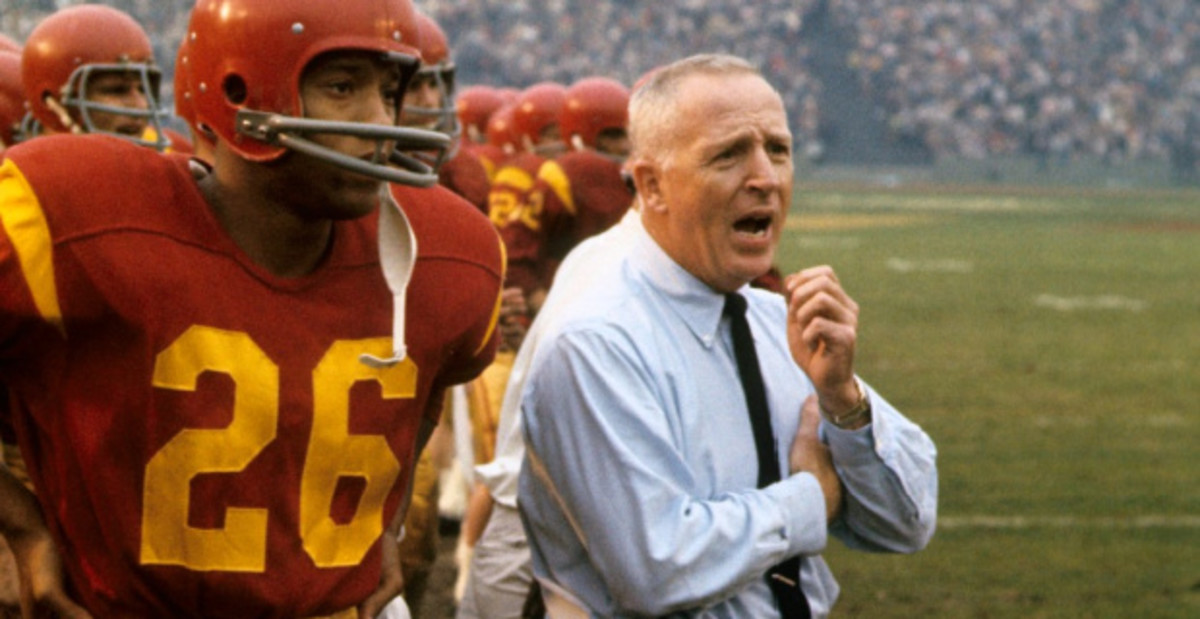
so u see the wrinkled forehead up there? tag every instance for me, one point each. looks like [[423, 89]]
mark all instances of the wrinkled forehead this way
[[711, 106]]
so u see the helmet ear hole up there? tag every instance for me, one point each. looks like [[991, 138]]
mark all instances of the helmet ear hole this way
[[235, 89]]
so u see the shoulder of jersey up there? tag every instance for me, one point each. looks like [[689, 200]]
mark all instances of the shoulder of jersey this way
[[101, 181], [448, 226]]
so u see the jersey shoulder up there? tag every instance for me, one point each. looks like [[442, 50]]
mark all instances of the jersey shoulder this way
[[90, 184]]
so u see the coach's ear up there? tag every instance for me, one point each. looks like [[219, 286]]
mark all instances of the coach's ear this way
[[647, 179]]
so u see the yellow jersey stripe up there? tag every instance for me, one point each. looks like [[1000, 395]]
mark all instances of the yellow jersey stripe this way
[[25, 223], [552, 174]]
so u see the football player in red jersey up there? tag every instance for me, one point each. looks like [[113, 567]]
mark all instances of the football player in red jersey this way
[[429, 104], [89, 68], [535, 127], [582, 192], [221, 385]]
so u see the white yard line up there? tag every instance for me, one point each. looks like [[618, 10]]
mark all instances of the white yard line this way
[[1098, 302], [1150, 521]]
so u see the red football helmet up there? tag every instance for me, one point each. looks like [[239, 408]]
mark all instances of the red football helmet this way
[[246, 58], [500, 130], [437, 66], [536, 110], [66, 51], [475, 105], [593, 104], [12, 98]]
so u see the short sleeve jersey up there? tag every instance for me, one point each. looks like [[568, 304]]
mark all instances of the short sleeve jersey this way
[[203, 438]]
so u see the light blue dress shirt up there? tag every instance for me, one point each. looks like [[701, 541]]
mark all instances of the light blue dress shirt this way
[[638, 490]]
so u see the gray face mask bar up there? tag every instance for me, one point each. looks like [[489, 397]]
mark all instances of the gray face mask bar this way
[[155, 117], [394, 167]]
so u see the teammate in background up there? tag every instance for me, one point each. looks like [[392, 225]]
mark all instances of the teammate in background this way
[[238, 440], [430, 104], [475, 106], [512, 206], [582, 192], [89, 68]]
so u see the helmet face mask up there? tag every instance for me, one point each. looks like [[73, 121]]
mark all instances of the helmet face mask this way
[[82, 109], [443, 117], [246, 59]]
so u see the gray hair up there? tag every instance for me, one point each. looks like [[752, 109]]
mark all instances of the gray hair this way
[[652, 106]]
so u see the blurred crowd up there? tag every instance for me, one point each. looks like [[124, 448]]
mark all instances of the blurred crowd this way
[[1112, 78], [1115, 79]]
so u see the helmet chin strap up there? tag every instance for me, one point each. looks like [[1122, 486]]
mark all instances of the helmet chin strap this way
[[397, 256], [63, 116]]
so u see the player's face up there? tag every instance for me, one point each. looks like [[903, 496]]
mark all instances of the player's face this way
[[120, 89], [614, 143], [423, 91], [727, 185], [350, 87], [550, 143]]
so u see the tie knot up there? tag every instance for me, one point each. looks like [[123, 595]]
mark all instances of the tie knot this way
[[735, 305]]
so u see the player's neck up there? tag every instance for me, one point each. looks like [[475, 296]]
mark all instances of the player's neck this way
[[263, 225]]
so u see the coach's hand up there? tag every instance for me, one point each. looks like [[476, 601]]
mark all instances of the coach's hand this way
[[809, 455], [822, 328]]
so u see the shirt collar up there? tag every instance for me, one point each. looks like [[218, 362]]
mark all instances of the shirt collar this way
[[698, 305]]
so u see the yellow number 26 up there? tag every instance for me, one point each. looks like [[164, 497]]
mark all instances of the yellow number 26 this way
[[241, 544]]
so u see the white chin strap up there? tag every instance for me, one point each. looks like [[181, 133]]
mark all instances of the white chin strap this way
[[397, 255]]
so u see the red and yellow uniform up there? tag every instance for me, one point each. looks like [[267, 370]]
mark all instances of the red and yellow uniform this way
[[202, 435], [582, 194], [517, 214]]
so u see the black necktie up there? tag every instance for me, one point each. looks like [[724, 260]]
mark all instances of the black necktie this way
[[783, 578]]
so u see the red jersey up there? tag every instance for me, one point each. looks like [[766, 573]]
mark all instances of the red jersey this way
[[518, 218], [203, 438], [582, 194]]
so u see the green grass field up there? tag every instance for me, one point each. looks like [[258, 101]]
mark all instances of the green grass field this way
[[1049, 342]]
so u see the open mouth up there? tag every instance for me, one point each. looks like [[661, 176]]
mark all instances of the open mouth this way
[[753, 225]]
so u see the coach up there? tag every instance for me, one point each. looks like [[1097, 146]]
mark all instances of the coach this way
[[692, 441]]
